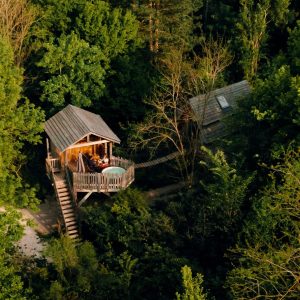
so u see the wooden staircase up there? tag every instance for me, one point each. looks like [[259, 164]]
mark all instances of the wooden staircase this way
[[64, 199]]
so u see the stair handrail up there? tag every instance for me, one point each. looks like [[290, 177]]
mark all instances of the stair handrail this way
[[70, 186]]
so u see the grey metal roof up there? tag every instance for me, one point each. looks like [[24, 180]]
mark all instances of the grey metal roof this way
[[73, 123], [209, 113]]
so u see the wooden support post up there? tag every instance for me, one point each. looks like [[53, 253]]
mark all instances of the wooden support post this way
[[66, 160], [110, 149], [84, 198], [105, 148], [48, 148]]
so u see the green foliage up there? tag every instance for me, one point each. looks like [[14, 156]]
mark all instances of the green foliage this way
[[269, 117], [280, 11], [193, 289], [131, 239], [56, 291], [113, 30], [95, 53], [294, 47], [168, 24], [74, 67], [75, 45], [77, 269], [224, 196], [253, 33], [20, 124], [212, 207], [11, 285], [63, 254], [267, 256]]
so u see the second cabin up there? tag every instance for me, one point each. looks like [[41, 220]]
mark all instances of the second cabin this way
[[80, 150]]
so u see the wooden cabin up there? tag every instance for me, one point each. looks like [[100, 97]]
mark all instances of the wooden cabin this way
[[75, 136], [210, 109]]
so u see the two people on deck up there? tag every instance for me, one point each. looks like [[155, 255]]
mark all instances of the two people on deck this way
[[102, 163]]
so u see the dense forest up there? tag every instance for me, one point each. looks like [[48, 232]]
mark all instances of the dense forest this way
[[232, 231]]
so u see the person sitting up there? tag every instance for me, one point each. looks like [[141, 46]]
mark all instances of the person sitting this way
[[95, 157], [104, 162], [105, 159]]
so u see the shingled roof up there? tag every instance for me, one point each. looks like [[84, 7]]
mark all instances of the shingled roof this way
[[73, 123], [211, 108]]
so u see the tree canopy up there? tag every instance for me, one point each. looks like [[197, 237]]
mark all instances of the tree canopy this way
[[232, 231]]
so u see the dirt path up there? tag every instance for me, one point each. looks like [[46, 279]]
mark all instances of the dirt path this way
[[159, 192], [45, 221]]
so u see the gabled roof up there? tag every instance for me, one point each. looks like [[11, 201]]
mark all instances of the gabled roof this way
[[73, 123], [208, 107]]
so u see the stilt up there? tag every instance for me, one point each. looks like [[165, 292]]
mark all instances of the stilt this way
[[84, 198]]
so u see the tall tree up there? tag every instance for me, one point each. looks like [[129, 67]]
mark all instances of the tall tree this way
[[133, 247], [253, 33], [16, 18], [11, 285], [169, 124], [266, 258], [268, 118], [77, 71], [193, 289], [20, 123], [167, 24], [74, 46], [294, 48]]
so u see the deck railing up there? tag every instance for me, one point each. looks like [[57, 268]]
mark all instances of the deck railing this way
[[115, 161], [105, 182], [52, 165]]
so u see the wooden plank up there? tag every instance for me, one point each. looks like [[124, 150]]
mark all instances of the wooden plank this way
[[84, 198], [87, 144]]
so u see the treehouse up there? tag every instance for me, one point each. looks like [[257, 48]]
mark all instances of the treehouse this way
[[211, 109], [80, 154]]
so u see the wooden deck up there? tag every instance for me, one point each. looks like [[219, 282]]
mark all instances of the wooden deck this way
[[96, 182]]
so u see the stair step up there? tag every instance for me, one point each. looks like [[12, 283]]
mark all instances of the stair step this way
[[64, 197], [69, 214], [70, 220], [72, 227], [63, 194], [64, 201], [62, 189], [75, 237], [65, 211], [66, 205], [73, 231]]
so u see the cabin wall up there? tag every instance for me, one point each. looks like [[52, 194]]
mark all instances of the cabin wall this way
[[55, 153], [72, 154]]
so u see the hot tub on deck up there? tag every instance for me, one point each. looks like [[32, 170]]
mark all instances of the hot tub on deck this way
[[113, 170]]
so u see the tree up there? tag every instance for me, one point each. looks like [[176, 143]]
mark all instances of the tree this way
[[16, 18], [79, 48], [133, 241], [20, 124], [266, 257], [169, 123], [77, 269], [223, 196], [11, 284], [167, 24], [252, 28], [77, 72], [193, 289], [268, 118], [294, 47]]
